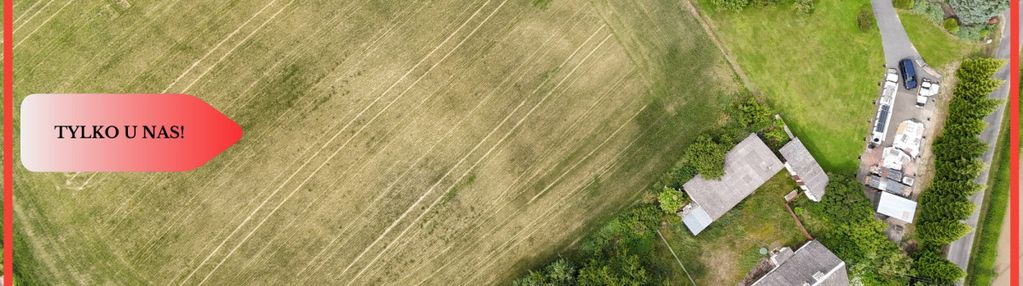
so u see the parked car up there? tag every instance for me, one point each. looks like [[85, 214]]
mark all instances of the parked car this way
[[908, 73]]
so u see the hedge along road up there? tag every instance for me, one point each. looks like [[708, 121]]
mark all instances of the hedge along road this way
[[959, 250]]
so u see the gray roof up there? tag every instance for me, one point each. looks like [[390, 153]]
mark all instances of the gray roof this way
[[805, 166], [747, 166], [696, 219], [810, 260]]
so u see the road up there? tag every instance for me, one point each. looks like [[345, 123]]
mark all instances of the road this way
[[959, 251], [894, 39]]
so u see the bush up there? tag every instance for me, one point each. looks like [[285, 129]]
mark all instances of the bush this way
[[951, 25], [670, 200], [844, 222], [972, 12], [707, 157], [731, 5], [804, 7], [752, 114], [560, 272], [865, 19], [931, 11], [904, 4], [975, 32]]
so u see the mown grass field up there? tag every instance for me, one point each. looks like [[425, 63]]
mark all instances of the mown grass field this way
[[936, 46], [820, 70], [441, 142], [729, 248]]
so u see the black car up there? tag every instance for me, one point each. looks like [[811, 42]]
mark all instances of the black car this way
[[908, 73]]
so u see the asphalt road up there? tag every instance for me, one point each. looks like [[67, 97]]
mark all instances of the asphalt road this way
[[959, 251], [894, 39]]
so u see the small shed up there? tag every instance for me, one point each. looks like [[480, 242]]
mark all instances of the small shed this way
[[804, 169], [896, 207]]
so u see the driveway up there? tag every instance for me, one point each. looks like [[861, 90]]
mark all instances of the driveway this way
[[896, 43], [959, 251]]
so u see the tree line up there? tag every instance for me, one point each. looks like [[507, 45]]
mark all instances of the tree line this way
[[945, 204]]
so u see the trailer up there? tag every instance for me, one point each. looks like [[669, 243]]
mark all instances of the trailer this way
[[884, 113]]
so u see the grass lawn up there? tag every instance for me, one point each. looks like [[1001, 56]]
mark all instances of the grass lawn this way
[[821, 70], [985, 249], [723, 253], [937, 47]]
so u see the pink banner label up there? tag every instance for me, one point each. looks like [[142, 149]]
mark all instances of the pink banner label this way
[[121, 132]]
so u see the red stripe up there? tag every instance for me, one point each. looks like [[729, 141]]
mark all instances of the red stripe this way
[[1014, 143], [8, 143]]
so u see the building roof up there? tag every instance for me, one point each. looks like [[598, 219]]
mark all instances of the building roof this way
[[747, 166], [908, 137], [894, 158], [888, 185], [811, 264], [897, 207], [806, 167]]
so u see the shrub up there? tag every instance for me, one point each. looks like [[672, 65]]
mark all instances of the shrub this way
[[844, 222], [971, 12], [731, 5], [903, 4], [975, 32], [752, 114], [804, 7], [707, 157], [560, 272], [951, 25], [670, 200], [865, 19], [931, 11]]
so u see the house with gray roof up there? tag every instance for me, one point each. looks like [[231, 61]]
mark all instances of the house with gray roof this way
[[804, 169], [747, 166], [812, 264]]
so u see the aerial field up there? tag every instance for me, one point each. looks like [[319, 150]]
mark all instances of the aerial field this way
[[413, 143], [820, 70]]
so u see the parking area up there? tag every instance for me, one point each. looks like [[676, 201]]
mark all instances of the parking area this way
[[893, 163]]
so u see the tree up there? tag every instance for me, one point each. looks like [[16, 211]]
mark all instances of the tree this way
[[844, 222], [707, 157], [623, 269], [670, 200], [935, 270], [972, 12], [946, 202]]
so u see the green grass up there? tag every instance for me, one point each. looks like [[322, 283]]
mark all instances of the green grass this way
[[759, 221], [981, 270], [821, 70], [936, 46]]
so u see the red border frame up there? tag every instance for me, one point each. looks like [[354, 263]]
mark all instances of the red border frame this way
[[8, 144], [1014, 143]]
